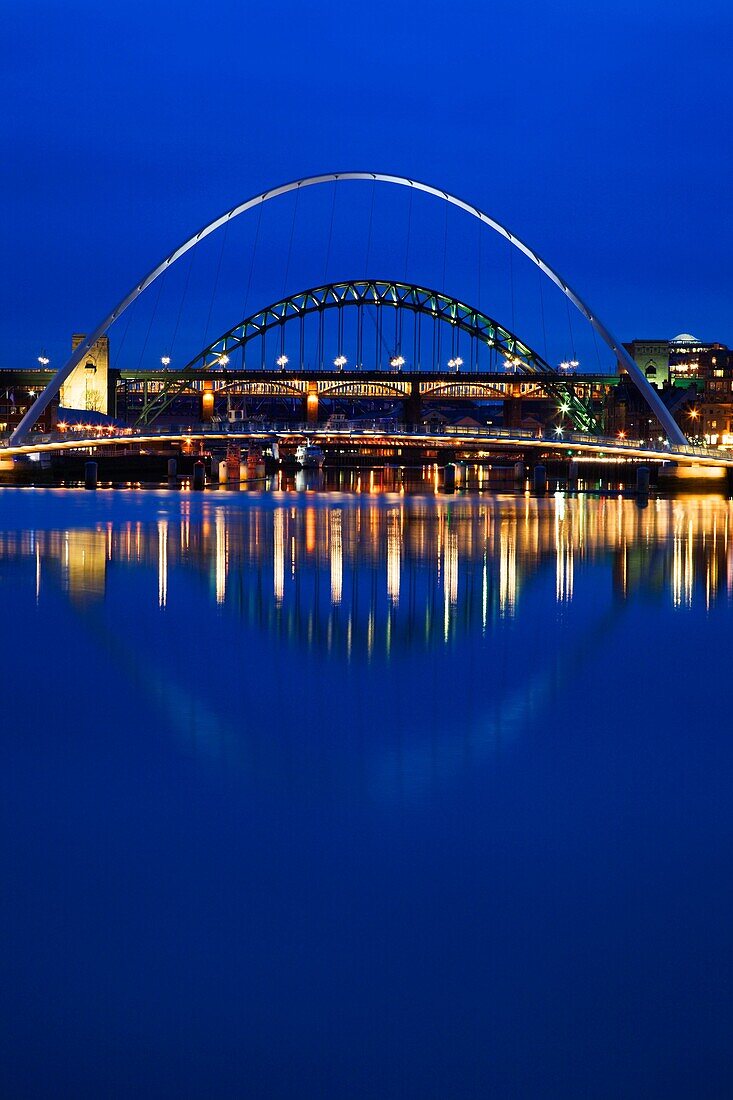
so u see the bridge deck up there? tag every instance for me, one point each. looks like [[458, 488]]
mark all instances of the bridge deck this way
[[573, 442]]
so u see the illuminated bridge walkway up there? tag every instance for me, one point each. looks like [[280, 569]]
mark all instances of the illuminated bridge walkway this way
[[575, 443]]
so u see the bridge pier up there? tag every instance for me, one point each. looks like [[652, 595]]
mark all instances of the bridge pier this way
[[539, 479], [207, 403], [311, 403], [573, 471], [513, 412], [413, 405], [679, 474]]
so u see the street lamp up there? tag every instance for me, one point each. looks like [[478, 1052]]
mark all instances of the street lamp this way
[[165, 360], [340, 361], [43, 359], [282, 361], [455, 364], [397, 361], [223, 359]]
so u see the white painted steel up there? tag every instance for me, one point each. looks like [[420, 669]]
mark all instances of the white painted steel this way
[[674, 432]]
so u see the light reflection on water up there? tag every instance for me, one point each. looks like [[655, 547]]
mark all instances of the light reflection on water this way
[[437, 560], [401, 795]]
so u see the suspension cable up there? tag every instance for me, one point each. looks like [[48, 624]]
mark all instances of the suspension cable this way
[[122, 341], [542, 313], [216, 283], [511, 283], [369, 233], [252, 261], [330, 235], [407, 246], [570, 326], [290, 244], [183, 300], [152, 318]]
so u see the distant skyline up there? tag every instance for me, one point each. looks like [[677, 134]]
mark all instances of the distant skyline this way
[[599, 136]]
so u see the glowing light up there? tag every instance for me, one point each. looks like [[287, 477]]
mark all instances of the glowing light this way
[[340, 361], [564, 408], [223, 359], [282, 361], [165, 360], [162, 562], [456, 363], [278, 557], [393, 555], [337, 557], [558, 430], [397, 361], [222, 554], [693, 414], [43, 360], [622, 435]]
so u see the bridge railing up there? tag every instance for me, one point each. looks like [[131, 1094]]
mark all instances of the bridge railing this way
[[87, 436]]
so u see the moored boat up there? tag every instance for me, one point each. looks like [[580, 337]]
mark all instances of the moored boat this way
[[309, 456]]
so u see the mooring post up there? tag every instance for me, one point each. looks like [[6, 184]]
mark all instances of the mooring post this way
[[573, 474], [642, 479], [172, 469], [449, 478], [199, 475], [90, 475], [539, 479]]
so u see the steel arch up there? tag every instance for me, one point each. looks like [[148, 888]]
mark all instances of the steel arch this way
[[655, 402], [373, 292], [386, 293]]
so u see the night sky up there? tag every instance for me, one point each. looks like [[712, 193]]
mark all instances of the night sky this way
[[599, 133]]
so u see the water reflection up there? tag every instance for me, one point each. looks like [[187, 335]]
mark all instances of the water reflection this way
[[283, 766], [365, 572]]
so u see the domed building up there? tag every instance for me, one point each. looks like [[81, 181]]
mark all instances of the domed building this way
[[685, 338], [695, 378]]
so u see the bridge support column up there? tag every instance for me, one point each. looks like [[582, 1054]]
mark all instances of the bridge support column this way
[[311, 403], [642, 479], [207, 402], [90, 475], [676, 474], [413, 405], [513, 412]]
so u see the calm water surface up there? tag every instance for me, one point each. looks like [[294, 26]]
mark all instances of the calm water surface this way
[[329, 795]]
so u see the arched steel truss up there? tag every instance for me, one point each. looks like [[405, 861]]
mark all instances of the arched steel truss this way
[[382, 294], [653, 399], [375, 292]]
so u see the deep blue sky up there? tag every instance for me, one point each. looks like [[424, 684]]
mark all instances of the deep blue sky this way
[[600, 133]]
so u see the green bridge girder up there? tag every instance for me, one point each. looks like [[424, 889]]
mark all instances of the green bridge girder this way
[[520, 359]]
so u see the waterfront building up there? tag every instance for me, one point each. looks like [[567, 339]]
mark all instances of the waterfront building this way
[[87, 387], [695, 378]]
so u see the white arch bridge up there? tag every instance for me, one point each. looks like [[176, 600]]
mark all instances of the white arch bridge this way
[[92, 441], [672, 430]]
